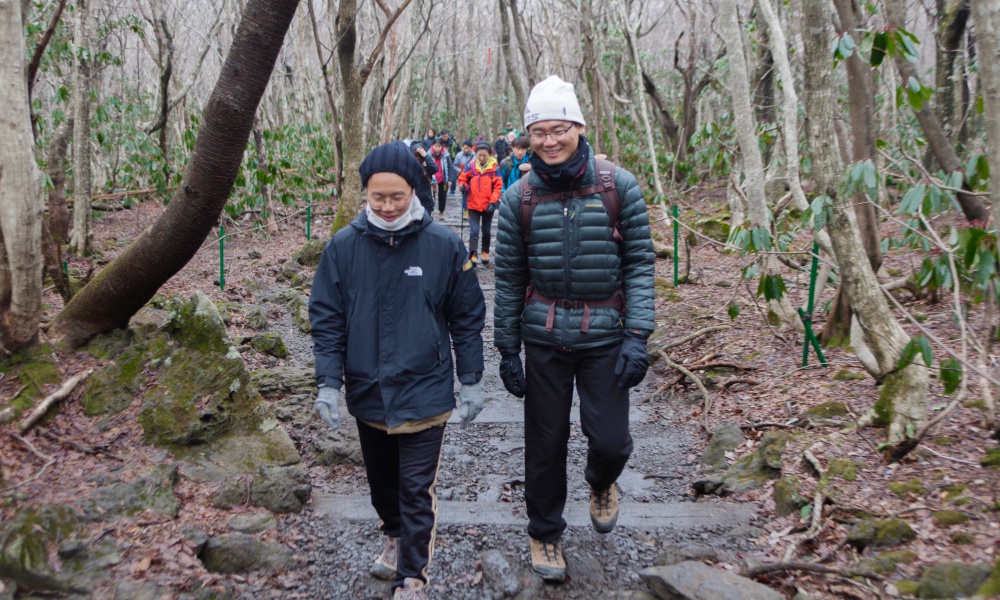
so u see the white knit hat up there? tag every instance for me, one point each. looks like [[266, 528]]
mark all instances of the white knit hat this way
[[552, 100]]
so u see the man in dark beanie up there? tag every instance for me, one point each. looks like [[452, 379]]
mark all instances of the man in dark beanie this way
[[574, 283], [394, 292]]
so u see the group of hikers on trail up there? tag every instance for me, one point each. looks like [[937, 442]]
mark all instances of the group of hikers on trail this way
[[396, 292]]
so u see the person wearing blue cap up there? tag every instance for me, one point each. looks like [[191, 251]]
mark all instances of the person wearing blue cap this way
[[394, 292]]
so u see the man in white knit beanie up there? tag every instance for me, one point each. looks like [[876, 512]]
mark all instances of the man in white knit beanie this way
[[574, 284]]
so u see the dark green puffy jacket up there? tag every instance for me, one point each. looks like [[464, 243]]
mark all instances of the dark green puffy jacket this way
[[572, 255]]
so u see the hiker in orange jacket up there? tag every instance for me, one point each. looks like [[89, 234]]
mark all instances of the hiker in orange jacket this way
[[484, 186]]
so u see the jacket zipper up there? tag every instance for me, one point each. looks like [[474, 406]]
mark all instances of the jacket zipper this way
[[569, 281]]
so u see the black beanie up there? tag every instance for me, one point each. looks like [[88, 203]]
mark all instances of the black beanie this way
[[394, 157], [484, 146]]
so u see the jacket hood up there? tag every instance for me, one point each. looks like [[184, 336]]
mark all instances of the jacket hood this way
[[491, 163]]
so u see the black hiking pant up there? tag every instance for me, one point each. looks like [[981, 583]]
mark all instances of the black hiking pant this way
[[442, 193], [550, 374], [402, 470], [477, 219]]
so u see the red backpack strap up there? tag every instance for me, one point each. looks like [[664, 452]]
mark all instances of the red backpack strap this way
[[604, 171]]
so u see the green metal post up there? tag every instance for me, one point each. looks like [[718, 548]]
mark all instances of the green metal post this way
[[222, 257], [677, 227], [309, 213], [806, 315]]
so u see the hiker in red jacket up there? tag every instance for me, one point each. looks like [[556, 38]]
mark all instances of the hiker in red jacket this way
[[484, 185]]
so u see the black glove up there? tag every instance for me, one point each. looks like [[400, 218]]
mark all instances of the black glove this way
[[512, 373], [633, 361]]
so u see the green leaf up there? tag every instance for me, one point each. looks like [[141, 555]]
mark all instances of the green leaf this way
[[951, 374], [911, 430], [772, 287], [805, 511], [908, 354], [914, 84], [926, 352], [734, 311], [871, 179]]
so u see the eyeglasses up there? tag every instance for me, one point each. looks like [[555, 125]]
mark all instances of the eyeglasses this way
[[557, 135], [396, 200]]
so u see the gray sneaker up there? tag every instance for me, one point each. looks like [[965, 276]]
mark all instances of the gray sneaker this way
[[413, 589], [385, 565]]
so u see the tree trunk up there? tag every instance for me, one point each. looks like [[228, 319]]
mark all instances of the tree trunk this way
[[903, 398], [987, 18], [522, 45], [944, 151], [125, 285], [753, 166], [58, 212], [350, 80], [79, 242], [20, 194], [508, 56], [270, 225], [663, 116], [953, 15], [763, 91], [338, 158]]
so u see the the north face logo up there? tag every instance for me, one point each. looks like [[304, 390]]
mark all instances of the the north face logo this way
[[414, 272]]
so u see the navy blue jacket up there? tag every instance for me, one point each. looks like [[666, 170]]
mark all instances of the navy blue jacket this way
[[383, 308]]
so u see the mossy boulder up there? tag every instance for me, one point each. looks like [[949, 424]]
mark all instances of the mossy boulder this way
[[992, 458], [301, 318], [282, 489], [948, 518], [828, 410], [27, 541], [111, 389], [724, 439], [844, 468], [35, 368], [991, 587], [848, 375], [284, 380], [888, 562], [883, 533], [269, 343], [109, 345], [241, 552], [310, 253], [283, 297], [288, 270], [257, 318], [153, 491], [749, 472], [663, 288], [253, 523], [717, 228], [952, 580], [302, 279], [962, 538], [787, 500]]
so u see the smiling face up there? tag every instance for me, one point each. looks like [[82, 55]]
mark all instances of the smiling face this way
[[555, 142], [388, 195]]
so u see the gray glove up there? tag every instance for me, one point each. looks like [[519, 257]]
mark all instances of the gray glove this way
[[328, 406], [470, 402]]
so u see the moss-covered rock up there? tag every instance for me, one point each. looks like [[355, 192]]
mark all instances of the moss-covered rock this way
[[827, 410], [35, 368], [848, 375], [952, 580], [724, 439], [197, 325], [301, 318], [111, 389], [887, 562], [26, 541], [992, 458], [750, 472], [282, 489], [109, 345], [257, 318], [269, 343], [787, 500], [302, 280], [284, 380], [153, 491], [716, 228], [962, 538], [948, 518], [905, 488], [882, 533], [253, 523], [310, 253], [240, 552], [862, 534], [991, 587], [842, 467]]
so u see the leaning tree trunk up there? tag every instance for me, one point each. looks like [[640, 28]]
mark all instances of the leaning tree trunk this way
[[20, 194], [508, 56], [753, 166], [953, 16], [903, 398], [941, 146], [80, 239], [125, 285], [987, 16]]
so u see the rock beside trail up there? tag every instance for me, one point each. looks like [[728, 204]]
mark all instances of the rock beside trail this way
[[883, 533], [257, 318], [691, 580], [339, 447], [240, 552], [749, 472], [310, 253], [500, 576], [724, 439], [113, 388], [677, 553], [153, 491], [254, 523], [952, 580], [284, 380], [269, 343], [281, 489]]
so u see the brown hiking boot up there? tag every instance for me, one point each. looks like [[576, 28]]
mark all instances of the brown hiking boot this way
[[485, 257], [474, 258], [547, 560], [385, 565], [604, 508], [413, 589]]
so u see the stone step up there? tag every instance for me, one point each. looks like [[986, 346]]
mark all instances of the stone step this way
[[678, 516]]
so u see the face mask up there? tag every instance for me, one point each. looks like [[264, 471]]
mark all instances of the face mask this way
[[415, 213]]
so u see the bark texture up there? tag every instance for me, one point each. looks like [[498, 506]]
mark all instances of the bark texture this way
[[987, 17], [20, 194], [80, 238], [128, 282], [904, 392], [508, 55]]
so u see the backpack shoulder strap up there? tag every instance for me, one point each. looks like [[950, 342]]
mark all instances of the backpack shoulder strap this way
[[528, 202], [605, 172]]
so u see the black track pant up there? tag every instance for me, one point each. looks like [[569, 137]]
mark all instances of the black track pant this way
[[402, 470], [442, 193], [477, 219], [550, 375]]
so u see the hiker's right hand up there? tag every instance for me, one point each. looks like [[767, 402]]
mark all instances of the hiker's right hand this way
[[328, 406], [512, 372]]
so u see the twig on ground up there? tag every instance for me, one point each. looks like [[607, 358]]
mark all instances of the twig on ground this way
[[660, 476], [819, 499], [697, 382], [946, 457], [91, 450], [731, 382], [49, 461], [59, 395], [791, 423], [695, 335], [785, 566]]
